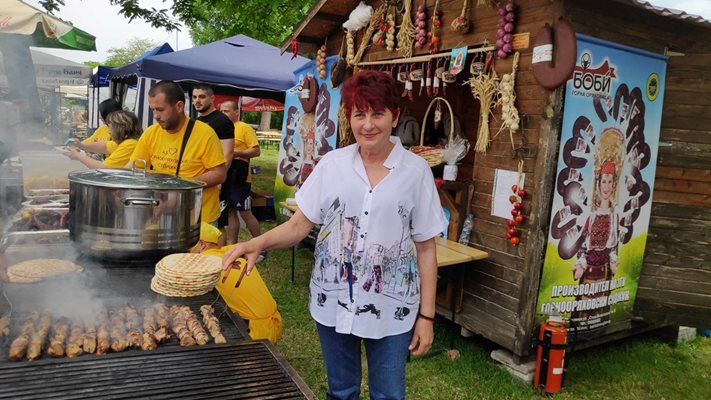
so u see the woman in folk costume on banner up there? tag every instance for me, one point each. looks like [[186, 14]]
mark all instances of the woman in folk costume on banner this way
[[598, 257], [359, 194]]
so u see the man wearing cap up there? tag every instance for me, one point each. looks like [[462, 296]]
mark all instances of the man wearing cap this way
[[252, 299]]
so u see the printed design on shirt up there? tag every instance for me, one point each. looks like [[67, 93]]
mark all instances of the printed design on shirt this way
[[345, 267]]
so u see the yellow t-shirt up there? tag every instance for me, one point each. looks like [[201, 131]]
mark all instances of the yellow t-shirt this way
[[245, 138], [111, 147], [101, 134], [122, 153], [251, 300], [161, 150]]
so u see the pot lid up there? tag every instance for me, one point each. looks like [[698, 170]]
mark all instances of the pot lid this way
[[133, 179]]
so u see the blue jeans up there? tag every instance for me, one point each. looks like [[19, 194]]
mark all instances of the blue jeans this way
[[387, 358]]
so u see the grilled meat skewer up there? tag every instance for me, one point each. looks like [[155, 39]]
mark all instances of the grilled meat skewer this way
[[161, 317], [4, 326], [118, 331], [134, 337], [18, 347], [212, 323], [56, 344], [103, 339], [149, 329], [89, 345], [195, 327], [180, 327], [34, 350], [76, 340]]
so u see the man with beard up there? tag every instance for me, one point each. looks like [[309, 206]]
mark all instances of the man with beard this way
[[203, 100], [177, 145]]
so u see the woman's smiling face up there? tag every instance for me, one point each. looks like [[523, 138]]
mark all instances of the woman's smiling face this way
[[606, 186], [372, 128]]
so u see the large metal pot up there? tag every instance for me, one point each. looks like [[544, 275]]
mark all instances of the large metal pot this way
[[125, 214]]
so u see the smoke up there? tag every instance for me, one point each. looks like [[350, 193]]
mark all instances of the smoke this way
[[80, 297]]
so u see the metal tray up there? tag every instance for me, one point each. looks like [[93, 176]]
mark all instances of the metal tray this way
[[31, 240]]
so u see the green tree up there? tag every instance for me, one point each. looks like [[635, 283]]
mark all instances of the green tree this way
[[135, 47], [270, 21], [93, 64], [267, 20]]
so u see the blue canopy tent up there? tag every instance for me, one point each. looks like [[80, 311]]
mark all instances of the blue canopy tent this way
[[102, 78], [237, 65], [129, 73]]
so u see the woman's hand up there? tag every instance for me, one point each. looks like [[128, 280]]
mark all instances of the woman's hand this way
[[249, 250], [71, 152], [613, 266], [422, 338]]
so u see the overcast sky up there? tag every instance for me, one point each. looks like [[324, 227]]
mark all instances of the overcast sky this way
[[112, 30]]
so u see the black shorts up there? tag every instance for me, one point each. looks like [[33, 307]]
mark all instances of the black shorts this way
[[234, 193]]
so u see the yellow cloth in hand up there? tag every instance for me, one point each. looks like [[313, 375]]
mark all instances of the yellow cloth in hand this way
[[251, 300]]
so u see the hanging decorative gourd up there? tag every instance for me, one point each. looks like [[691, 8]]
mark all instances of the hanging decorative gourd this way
[[505, 32], [461, 23], [434, 30], [421, 26], [321, 61]]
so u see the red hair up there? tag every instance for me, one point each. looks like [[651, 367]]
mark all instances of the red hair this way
[[370, 90]]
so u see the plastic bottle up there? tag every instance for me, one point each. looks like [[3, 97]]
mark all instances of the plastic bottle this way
[[466, 230]]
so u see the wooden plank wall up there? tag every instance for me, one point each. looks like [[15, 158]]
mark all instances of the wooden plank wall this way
[[675, 286], [497, 290]]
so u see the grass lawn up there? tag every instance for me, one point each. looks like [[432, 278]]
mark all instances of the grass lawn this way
[[642, 367]]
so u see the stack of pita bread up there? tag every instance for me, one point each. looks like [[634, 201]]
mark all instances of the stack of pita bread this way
[[186, 275], [35, 270]]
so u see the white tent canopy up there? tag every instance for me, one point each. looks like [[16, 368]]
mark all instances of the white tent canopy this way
[[52, 71]]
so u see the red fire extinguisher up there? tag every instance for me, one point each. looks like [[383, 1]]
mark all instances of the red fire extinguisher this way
[[552, 341]]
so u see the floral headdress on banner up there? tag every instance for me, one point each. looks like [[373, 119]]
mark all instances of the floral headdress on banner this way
[[608, 160]]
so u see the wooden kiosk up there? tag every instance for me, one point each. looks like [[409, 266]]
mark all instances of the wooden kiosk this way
[[499, 296]]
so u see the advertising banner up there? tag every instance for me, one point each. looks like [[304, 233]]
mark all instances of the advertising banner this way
[[309, 130], [603, 188]]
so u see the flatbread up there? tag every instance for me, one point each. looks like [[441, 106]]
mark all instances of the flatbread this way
[[157, 287], [190, 264], [35, 270], [186, 275]]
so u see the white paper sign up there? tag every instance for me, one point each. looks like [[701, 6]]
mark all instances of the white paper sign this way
[[503, 180]]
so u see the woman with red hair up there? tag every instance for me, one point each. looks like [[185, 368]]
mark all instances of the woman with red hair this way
[[375, 270]]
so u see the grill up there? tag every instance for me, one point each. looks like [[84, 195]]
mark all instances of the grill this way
[[244, 370], [239, 369]]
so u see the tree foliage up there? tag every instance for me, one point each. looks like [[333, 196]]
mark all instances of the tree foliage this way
[[270, 21], [135, 47], [157, 18]]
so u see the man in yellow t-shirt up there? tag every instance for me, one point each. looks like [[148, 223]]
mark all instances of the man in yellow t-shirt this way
[[252, 299], [160, 146], [246, 148]]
